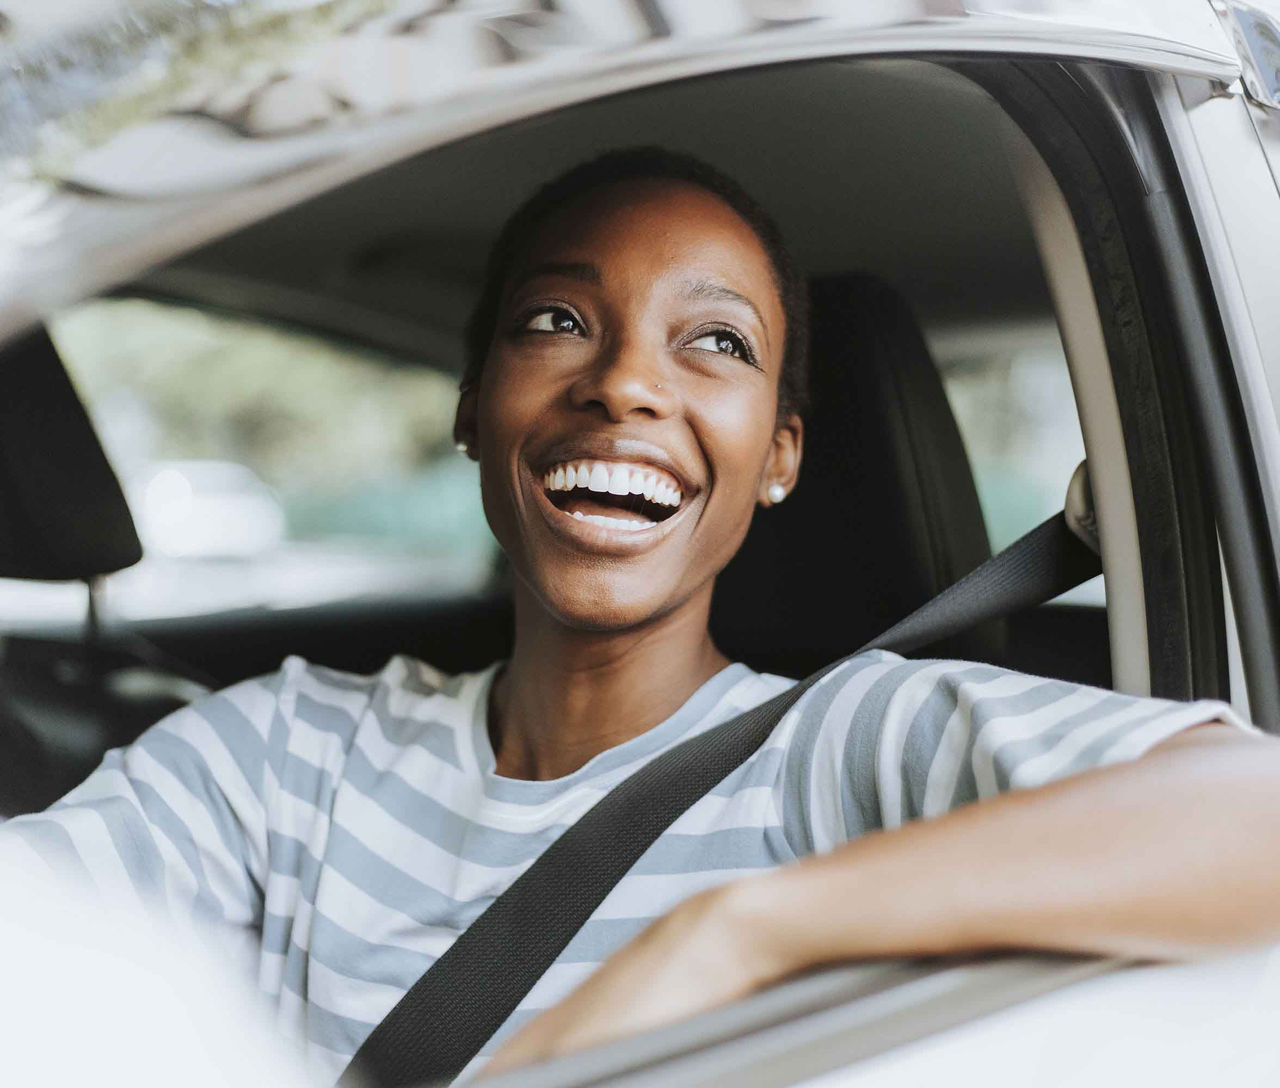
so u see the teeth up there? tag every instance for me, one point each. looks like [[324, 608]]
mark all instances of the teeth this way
[[614, 523], [612, 479], [619, 481]]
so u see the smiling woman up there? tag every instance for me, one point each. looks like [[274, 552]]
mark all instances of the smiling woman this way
[[634, 396], [642, 325]]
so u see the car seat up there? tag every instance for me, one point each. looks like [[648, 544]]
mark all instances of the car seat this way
[[63, 517], [885, 514]]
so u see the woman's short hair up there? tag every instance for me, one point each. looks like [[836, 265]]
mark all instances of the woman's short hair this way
[[642, 163]]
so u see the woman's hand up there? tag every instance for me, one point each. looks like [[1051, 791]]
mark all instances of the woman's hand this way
[[708, 951]]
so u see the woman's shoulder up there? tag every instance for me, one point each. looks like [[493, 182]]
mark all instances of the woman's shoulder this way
[[890, 673], [868, 685], [334, 700], [401, 672]]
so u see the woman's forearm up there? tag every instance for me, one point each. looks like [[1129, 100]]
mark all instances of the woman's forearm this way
[[1174, 854], [1169, 856]]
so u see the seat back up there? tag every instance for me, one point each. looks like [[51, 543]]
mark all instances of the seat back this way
[[885, 514], [63, 515]]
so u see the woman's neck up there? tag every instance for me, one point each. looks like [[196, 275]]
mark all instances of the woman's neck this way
[[566, 695]]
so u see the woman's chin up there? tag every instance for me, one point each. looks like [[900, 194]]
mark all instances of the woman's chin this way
[[604, 614], [597, 601]]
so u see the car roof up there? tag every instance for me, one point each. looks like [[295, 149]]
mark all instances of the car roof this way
[[133, 140], [896, 167]]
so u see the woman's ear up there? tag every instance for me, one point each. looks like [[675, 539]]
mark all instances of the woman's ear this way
[[782, 468], [464, 422]]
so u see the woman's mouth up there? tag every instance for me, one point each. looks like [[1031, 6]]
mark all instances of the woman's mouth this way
[[616, 495]]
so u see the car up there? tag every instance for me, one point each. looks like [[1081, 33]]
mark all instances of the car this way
[[204, 508], [1045, 232]]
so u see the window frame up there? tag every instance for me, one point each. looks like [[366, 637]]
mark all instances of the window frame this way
[[840, 1015], [1095, 128], [1233, 216], [1184, 436]]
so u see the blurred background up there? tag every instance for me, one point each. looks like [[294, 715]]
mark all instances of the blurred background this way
[[272, 468], [265, 467]]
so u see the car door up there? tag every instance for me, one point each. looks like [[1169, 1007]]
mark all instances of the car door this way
[[1113, 153], [112, 181]]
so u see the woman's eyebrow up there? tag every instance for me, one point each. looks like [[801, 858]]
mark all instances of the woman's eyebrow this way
[[574, 270], [715, 291]]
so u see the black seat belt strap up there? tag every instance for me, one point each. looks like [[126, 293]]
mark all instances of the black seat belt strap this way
[[468, 993], [1035, 568]]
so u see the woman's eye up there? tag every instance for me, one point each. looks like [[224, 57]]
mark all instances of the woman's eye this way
[[725, 343], [554, 319]]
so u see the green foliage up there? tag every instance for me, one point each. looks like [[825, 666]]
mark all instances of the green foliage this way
[[166, 382]]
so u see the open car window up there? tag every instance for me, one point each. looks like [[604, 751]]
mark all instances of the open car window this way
[[1010, 391], [266, 467]]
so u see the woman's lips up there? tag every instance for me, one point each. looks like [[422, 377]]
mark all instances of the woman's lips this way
[[625, 496], [617, 531]]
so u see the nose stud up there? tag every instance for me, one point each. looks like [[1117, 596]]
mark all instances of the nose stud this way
[[777, 493]]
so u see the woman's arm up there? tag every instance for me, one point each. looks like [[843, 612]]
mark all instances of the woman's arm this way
[[1172, 855], [177, 819]]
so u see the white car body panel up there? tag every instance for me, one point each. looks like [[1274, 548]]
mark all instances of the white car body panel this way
[[216, 143], [1175, 1025], [1236, 206]]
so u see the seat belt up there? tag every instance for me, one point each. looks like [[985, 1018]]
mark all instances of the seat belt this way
[[468, 993]]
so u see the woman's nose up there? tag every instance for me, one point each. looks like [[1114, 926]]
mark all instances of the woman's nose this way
[[626, 379]]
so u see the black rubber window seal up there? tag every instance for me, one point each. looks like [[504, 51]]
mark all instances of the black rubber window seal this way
[[1064, 111]]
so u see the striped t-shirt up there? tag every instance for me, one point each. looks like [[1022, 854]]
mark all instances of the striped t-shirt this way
[[345, 829]]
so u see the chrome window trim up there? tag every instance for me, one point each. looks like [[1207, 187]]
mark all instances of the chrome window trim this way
[[1236, 675], [813, 1025], [1247, 23]]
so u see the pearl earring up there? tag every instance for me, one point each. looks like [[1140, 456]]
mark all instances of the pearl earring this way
[[777, 493], [461, 447]]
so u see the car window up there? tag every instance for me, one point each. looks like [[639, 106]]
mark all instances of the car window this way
[[1012, 398], [266, 467]]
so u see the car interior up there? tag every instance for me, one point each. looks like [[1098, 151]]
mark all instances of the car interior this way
[[894, 181]]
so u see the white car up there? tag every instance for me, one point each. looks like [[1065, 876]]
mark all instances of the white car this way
[[204, 508], [1059, 221]]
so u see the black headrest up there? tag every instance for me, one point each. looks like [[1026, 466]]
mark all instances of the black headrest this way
[[885, 514], [62, 513]]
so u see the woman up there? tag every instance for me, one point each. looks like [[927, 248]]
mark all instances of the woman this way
[[633, 396]]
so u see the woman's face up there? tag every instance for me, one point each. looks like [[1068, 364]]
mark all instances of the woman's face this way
[[626, 418]]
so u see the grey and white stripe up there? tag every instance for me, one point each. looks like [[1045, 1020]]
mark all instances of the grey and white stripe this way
[[348, 828]]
